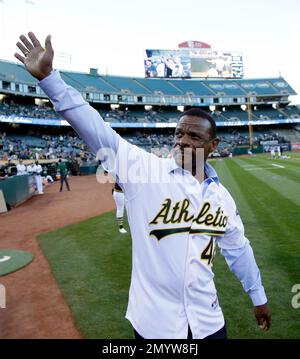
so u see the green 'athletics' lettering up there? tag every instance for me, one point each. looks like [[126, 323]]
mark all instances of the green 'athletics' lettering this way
[[216, 220], [176, 214]]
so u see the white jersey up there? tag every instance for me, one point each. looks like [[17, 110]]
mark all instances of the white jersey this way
[[37, 169], [175, 224], [29, 169], [21, 169]]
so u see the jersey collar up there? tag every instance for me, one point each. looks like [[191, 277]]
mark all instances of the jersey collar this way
[[209, 171]]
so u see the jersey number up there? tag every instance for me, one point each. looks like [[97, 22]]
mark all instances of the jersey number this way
[[209, 252]]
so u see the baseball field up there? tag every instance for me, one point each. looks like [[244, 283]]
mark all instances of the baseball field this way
[[91, 261]]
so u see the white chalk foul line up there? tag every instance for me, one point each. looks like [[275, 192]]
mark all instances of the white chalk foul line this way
[[262, 168], [258, 168], [279, 166]]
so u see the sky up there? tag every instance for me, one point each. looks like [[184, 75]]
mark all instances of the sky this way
[[111, 35]]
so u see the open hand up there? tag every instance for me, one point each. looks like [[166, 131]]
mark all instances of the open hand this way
[[37, 60]]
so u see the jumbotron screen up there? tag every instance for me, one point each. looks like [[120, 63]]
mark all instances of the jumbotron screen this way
[[187, 63]]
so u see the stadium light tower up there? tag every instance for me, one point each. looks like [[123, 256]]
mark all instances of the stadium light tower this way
[[2, 29], [249, 110], [28, 2], [63, 60]]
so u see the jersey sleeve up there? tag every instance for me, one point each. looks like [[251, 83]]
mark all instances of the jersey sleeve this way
[[85, 120], [128, 164], [234, 236], [239, 255]]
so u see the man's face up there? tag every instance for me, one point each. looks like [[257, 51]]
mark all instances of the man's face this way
[[193, 133]]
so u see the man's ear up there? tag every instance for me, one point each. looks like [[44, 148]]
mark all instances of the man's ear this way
[[214, 144]]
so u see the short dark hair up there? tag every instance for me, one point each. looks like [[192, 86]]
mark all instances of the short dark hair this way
[[196, 112]]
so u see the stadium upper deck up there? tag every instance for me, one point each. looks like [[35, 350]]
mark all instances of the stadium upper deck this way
[[163, 92]]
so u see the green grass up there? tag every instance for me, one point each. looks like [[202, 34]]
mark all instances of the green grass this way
[[92, 262]]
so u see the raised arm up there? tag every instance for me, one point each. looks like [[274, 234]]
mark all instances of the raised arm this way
[[117, 154], [85, 120]]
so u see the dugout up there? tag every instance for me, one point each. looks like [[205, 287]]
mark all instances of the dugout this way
[[17, 189], [88, 168]]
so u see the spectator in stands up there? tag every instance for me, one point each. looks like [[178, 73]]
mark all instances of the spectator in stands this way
[[33, 111]]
